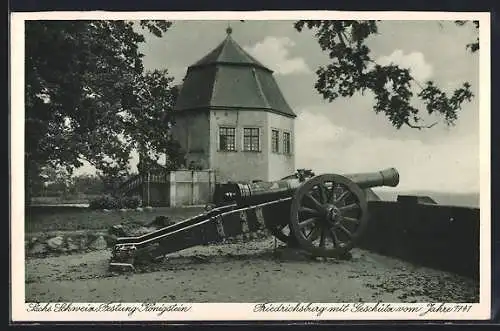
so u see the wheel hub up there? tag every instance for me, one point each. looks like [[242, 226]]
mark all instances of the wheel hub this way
[[333, 214], [324, 241]]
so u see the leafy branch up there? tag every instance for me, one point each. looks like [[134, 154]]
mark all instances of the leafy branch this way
[[352, 70]]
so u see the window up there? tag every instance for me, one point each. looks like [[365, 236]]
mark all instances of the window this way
[[287, 143], [227, 139], [251, 139], [275, 141]]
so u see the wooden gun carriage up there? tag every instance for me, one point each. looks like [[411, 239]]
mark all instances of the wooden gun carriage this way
[[323, 215]]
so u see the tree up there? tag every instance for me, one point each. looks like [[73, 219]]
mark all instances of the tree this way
[[87, 97], [50, 178], [87, 184], [150, 123], [473, 46], [352, 70]]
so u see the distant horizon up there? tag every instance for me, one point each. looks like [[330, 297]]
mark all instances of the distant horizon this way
[[424, 191], [465, 199]]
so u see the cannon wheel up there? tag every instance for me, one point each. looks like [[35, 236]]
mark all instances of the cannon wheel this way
[[285, 235], [328, 213], [277, 219]]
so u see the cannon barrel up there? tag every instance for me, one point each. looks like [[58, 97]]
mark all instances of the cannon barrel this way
[[387, 177], [253, 193], [259, 192]]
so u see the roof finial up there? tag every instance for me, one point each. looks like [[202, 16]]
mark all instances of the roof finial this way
[[229, 30]]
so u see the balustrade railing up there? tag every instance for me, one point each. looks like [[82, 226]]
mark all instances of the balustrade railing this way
[[137, 180]]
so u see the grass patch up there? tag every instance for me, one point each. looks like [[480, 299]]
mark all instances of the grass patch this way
[[84, 219]]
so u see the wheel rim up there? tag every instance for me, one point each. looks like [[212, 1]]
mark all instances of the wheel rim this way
[[328, 213], [284, 234]]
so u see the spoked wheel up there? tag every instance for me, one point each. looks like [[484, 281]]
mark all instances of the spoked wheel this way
[[285, 235], [278, 222], [329, 212]]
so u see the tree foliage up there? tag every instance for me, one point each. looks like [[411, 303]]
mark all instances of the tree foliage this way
[[353, 70], [87, 96], [473, 46]]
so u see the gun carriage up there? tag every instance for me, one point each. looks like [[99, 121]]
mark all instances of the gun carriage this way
[[323, 215]]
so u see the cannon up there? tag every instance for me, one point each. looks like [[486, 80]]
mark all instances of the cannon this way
[[323, 215]]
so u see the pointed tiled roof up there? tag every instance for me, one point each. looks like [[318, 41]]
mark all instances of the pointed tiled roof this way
[[228, 77], [229, 52]]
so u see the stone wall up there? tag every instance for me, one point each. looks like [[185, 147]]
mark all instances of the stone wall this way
[[57, 243], [437, 236], [177, 188]]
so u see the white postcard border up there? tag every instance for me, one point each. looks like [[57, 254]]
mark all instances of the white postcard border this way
[[233, 311]]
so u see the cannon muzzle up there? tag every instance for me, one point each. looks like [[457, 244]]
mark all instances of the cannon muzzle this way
[[387, 177]]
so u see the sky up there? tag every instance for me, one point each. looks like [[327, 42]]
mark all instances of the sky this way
[[346, 136]]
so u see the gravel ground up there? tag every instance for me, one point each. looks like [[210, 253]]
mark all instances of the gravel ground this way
[[254, 271]]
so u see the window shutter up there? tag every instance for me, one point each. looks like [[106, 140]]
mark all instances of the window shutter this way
[[261, 134], [217, 138], [242, 139], [287, 142], [275, 138], [236, 139], [280, 149], [283, 136]]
